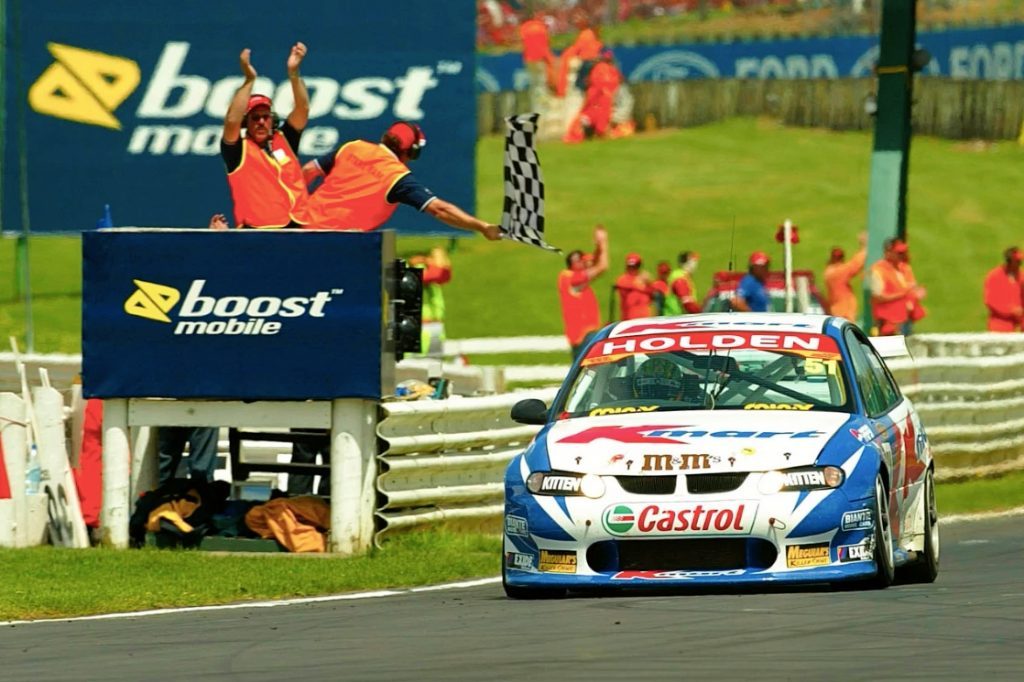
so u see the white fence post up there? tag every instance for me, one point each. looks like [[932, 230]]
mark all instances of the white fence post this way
[[145, 466], [116, 455], [353, 474], [12, 430], [53, 456]]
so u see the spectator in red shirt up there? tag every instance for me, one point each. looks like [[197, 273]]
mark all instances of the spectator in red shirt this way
[[635, 291], [1003, 293], [580, 313]]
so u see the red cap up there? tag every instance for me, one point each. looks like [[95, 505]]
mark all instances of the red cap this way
[[759, 258], [1014, 254], [258, 101], [664, 268], [899, 247], [633, 259], [409, 135]]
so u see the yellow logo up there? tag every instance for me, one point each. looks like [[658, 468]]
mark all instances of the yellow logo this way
[[84, 86], [151, 301]]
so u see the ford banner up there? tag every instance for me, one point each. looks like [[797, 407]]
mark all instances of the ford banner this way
[[246, 315], [995, 53], [122, 103]]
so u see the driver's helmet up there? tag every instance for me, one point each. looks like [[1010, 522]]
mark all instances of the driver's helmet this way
[[658, 379]]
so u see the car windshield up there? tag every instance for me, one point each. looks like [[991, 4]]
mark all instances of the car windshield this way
[[709, 370]]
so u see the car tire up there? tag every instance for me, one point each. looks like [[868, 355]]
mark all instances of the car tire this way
[[520, 592], [926, 568], [885, 565]]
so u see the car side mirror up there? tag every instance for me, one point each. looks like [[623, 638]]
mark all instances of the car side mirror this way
[[530, 411]]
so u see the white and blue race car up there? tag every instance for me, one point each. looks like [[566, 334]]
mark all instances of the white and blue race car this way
[[722, 449]]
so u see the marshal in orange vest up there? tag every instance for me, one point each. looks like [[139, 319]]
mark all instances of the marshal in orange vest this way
[[354, 194], [267, 187]]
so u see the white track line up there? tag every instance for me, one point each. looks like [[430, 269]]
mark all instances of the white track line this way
[[263, 604], [957, 518], [980, 516]]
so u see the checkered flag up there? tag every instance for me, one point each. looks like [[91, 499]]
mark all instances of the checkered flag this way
[[522, 217]]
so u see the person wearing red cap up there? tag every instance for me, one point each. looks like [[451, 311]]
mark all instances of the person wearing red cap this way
[[581, 316], [264, 174], [635, 291], [892, 293], [660, 287], [596, 113], [1003, 293], [842, 301], [751, 294], [363, 183], [683, 294]]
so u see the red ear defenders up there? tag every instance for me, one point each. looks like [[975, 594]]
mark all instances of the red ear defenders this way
[[418, 140]]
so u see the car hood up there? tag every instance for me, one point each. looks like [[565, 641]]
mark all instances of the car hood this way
[[658, 443]]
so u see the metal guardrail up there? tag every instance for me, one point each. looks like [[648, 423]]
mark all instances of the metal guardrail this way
[[444, 460]]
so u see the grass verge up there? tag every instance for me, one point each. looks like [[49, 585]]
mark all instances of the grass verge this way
[[45, 582], [981, 495]]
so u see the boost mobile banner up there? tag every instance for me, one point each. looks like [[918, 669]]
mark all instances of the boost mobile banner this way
[[122, 103], [248, 314]]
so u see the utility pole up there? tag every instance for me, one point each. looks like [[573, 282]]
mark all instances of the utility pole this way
[[890, 158]]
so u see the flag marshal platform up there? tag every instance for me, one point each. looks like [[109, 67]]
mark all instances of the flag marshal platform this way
[[278, 328]]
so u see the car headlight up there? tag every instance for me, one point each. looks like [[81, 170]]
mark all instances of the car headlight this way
[[565, 484], [804, 478]]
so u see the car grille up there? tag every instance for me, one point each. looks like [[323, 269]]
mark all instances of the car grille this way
[[648, 485], [714, 483], [698, 554]]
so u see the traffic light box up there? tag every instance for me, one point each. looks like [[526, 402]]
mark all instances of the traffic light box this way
[[407, 298]]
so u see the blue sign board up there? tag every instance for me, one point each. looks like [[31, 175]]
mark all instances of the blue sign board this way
[[987, 53], [122, 103], [242, 315]]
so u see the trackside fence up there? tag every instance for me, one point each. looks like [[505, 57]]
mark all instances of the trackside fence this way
[[444, 460]]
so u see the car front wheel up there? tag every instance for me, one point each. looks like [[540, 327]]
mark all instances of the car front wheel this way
[[886, 570], [926, 568]]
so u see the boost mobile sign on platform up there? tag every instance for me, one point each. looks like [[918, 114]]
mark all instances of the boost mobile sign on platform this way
[[124, 102], [234, 315]]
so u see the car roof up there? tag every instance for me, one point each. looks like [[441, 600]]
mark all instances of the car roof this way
[[752, 322]]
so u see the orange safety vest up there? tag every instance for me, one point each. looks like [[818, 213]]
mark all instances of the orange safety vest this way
[[580, 312], [354, 194], [893, 312], [535, 41], [1002, 296], [267, 187], [842, 301], [634, 297]]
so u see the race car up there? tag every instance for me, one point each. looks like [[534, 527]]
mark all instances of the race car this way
[[728, 448]]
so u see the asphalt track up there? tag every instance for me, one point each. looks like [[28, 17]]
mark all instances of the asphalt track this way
[[968, 625]]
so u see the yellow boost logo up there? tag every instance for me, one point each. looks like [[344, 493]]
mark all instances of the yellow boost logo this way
[[151, 301], [84, 86]]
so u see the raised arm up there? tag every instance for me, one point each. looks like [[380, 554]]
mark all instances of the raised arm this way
[[300, 114], [236, 110], [600, 253]]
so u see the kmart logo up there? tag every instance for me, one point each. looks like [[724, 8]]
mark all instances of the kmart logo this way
[[200, 314], [84, 86]]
